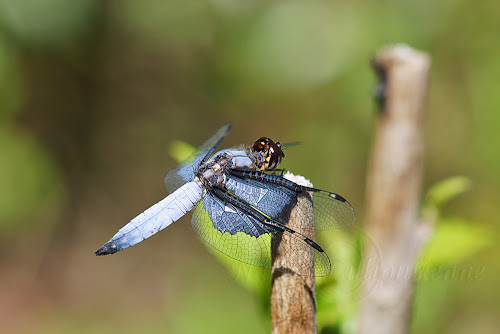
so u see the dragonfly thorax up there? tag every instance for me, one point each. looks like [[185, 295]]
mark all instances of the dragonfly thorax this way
[[213, 171]]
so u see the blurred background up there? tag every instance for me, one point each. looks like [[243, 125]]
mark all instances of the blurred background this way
[[95, 94]]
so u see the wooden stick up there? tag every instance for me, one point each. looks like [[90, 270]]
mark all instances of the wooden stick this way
[[393, 193], [293, 297]]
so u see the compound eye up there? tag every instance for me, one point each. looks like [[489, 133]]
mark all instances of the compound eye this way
[[271, 151], [261, 144]]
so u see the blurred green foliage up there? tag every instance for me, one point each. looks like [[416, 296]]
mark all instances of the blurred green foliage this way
[[180, 150], [92, 91], [47, 23], [455, 239], [441, 194], [28, 179]]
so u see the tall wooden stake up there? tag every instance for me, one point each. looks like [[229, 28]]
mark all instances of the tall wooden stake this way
[[393, 193], [293, 297]]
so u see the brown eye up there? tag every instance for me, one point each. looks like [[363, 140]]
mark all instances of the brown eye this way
[[271, 151], [260, 144]]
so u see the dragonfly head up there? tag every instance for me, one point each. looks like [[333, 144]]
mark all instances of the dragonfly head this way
[[270, 150]]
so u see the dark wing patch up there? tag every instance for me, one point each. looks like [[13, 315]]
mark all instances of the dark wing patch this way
[[268, 198], [242, 237], [227, 218], [330, 210]]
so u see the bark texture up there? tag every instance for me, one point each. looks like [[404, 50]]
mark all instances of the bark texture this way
[[293, 297]]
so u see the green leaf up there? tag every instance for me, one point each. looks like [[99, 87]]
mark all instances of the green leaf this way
[[443, 192], [454, 241], [180, 150]]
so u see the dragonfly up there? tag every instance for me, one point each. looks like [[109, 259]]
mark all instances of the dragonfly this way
[[240, 201]]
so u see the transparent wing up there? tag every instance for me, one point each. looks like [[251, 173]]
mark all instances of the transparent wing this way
[[330, 210], [272, 194], [244, 238], [185, 171]]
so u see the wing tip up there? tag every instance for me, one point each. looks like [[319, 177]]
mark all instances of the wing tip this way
[[338, 197], [226, 128], [108, 248], [343, 200]]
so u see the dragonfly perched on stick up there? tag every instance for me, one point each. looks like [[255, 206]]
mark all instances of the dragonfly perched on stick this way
[[238, 206]]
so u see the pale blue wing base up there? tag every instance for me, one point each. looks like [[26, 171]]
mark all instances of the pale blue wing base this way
[[242, 237], [185, 171]]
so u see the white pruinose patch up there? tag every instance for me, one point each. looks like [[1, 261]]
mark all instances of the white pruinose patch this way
[[299, 179]]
